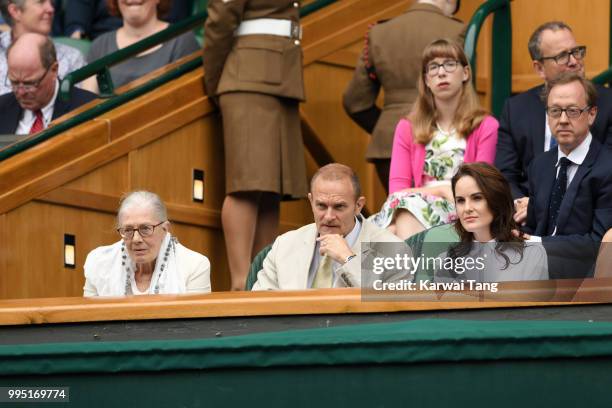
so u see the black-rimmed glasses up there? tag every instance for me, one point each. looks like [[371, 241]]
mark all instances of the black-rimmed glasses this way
[[144, 230], [26, 85], [572, 112], [564, 57], [449, 66]]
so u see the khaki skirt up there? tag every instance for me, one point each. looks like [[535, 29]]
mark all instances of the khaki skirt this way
[[264, 150]]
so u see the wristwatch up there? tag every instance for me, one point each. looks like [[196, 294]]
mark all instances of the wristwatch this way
[[348, 258]]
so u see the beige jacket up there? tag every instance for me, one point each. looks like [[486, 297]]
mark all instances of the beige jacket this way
[[287, 264]]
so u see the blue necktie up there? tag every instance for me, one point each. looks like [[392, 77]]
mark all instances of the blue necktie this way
[[557, 194]]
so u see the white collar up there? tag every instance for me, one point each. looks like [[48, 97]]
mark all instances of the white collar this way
[[351, 237], [577, 155]]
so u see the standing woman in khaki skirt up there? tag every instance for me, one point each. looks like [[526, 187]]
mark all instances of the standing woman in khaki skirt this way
[[253, 67]]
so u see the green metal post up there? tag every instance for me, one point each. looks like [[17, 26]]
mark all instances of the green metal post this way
[[501, 68], [105, 83], [501, 74]]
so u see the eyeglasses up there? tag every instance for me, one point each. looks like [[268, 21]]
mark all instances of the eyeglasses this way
[[563, 58], [144, 230], [27, 86], [433, 68], [571, 112]]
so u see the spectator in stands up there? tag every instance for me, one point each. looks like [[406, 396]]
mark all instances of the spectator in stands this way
[[485, 225], [141, 19], [524, 132], [391, 59], [88, 19], [327, 253], [570, 186], [446, 127], [148, 260], [259, 102], [33, 16], [33, 77]]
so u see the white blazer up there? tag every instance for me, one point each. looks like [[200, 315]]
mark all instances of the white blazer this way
[[193, 267]]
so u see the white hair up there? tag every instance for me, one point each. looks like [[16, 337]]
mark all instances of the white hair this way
[[143, 199]]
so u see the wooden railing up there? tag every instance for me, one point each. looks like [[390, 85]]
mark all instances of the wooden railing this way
[[321, 301]]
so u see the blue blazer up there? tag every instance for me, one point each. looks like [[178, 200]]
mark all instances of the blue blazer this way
[[521, 134], [585, 213], [11, 111]]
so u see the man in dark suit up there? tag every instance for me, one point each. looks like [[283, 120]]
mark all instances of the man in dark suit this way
[[391, 59], [570, 186], [523, 132], [32, 75]]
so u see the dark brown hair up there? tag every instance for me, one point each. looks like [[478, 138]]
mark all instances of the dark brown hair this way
[[536, 37], [424, 115], [496, 191], [163, 7]]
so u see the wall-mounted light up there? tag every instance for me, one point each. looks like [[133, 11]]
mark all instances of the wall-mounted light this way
[[198, 185], [69, 251]]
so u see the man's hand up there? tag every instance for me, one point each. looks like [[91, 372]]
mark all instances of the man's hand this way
[[335, 246], [520, 234], [520, 206]]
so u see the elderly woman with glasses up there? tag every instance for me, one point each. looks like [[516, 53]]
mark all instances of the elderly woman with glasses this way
[[148, 260]]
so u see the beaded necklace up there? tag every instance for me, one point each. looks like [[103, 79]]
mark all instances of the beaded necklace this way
[[130, 273]]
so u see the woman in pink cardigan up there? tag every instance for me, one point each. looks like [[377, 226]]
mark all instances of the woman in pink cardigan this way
[[446, 128]]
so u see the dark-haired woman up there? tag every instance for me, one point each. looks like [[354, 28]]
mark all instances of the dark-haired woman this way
[[141, 19], [488, 251]]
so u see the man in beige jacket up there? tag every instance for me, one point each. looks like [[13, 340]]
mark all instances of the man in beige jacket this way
[[329, 252]]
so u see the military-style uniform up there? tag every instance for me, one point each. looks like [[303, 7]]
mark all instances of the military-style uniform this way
[[392, 59], [258, 80]]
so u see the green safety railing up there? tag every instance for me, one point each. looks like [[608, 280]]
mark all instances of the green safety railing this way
[[100, 68], [501, 73]]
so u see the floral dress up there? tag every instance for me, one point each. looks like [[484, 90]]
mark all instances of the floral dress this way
[[443, 156]]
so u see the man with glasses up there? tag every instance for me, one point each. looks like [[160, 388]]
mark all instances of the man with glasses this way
[[570, 186], [33, 16], [32, 76], [523, 131]]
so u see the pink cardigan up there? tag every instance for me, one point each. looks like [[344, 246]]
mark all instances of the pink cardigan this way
[[408, 157]]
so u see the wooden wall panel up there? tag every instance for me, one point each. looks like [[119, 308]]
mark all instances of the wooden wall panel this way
[[34, 264], [166, 165], [344, 139], [590, 22], [111, 179]]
